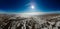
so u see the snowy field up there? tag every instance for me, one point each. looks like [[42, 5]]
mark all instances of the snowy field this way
[[12, 21]]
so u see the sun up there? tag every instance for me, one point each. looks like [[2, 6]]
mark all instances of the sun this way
[[32, 7]]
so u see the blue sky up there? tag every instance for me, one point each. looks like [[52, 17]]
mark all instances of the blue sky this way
[[24, 5]]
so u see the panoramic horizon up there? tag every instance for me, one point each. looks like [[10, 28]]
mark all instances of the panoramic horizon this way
[[29, 14]]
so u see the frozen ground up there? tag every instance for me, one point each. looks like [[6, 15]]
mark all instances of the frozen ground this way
[[50, 21]]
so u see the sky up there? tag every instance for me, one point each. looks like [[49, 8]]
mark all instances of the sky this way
[[18, 6]]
